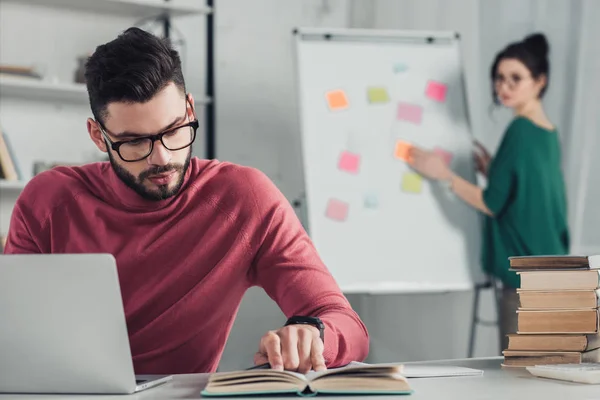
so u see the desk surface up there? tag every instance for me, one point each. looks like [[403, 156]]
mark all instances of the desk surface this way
[[496, 383]]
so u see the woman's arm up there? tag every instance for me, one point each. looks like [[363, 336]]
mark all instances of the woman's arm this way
[[432, 166], [469, 193]]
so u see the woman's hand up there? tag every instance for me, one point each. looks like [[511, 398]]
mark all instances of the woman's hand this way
[[429, 164], [482, 158]]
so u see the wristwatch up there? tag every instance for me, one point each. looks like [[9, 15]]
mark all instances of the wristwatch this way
[[314, 321]]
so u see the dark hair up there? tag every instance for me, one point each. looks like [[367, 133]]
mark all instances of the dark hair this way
[[532, 52], [131, 68]]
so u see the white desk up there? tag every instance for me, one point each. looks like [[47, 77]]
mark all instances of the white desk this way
[[495, 384]]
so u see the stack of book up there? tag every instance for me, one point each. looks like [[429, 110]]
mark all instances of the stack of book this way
[[558, 315]]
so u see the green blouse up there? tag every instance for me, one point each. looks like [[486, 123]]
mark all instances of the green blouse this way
[[526, 194]]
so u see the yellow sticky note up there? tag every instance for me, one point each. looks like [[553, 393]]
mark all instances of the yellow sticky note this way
[[378, 95], [412, 182]]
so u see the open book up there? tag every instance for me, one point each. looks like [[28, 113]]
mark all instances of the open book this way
[[363, 379]]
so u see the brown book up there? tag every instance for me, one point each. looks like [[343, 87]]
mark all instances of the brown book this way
[[560, 280], [562, 299], [554, 262], [553, 342], [531, 358], [557, 321]]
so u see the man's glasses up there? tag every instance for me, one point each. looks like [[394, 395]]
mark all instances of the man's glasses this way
[[139, 148]]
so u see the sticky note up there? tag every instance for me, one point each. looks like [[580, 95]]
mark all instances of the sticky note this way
[[436, 91], [409, 112], [398, 68], [402, 149], [371, 200], [412, 182], [337, 100], [349, 162], [445, 154], [378, 95], [337, 210]]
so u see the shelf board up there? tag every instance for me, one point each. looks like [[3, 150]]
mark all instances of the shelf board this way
[[42, 90], [137, 8], [13, 186], [35, 89]]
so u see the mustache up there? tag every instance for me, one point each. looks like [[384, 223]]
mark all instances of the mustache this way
[[160, 169]]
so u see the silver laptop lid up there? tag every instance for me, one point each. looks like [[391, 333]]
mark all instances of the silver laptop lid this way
[[63, 327]]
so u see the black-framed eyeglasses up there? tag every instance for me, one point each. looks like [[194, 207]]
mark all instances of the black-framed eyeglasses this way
[[137, 149]]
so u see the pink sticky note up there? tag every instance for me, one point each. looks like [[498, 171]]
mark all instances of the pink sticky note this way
[[337, 210], [349, 162], [446, 155], [409, 112], [436, 91]]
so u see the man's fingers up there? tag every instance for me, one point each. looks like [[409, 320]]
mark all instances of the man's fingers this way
[[260, 358], [271, 346], [305, 339], [289, 348], [316, 355]]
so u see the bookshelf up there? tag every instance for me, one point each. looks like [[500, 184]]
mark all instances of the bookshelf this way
[[30, 88], [44, 118], [11, 187]]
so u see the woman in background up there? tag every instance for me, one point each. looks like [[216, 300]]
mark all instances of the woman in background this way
[[524, 201]]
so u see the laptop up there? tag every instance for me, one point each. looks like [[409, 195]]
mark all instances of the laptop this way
[[62, 327]]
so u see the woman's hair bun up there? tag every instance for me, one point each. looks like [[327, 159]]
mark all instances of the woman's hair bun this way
[[537, 44]]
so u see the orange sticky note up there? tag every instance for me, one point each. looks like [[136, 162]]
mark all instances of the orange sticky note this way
[[402, 150], [337, 100]]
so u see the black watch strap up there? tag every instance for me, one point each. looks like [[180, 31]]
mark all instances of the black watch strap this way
[[314, 321]]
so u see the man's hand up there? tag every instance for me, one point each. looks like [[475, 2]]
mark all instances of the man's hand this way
[[293, 348]]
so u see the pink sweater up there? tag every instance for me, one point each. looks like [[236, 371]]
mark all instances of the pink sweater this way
[[184, 263]]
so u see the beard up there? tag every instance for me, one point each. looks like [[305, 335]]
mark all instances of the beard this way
[[137, 184]]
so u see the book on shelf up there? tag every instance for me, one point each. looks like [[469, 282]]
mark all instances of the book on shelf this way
[[19, 71], [352, 380], [9, 169]]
